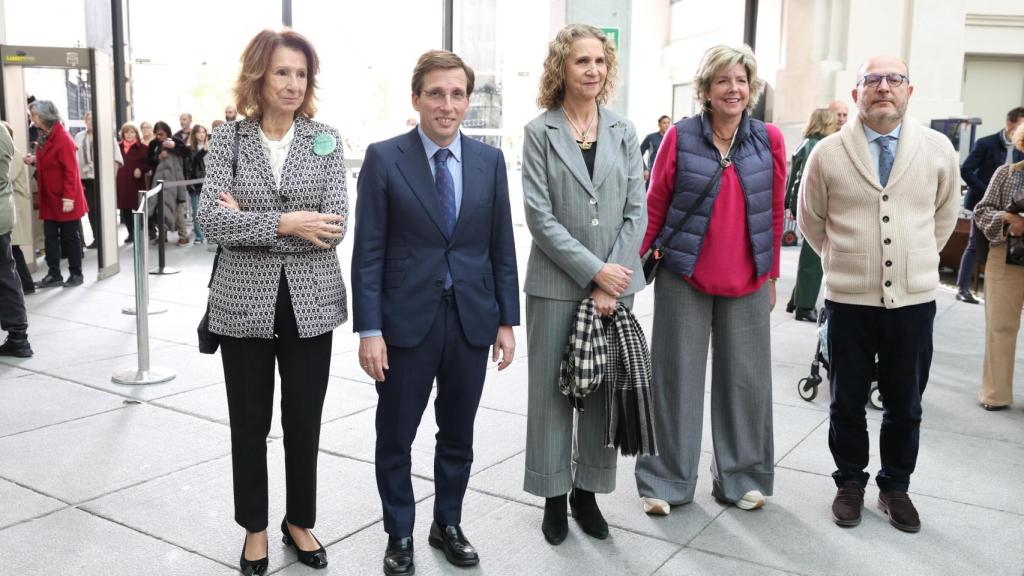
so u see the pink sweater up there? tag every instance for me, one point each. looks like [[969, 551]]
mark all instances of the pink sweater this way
[[725, 265]]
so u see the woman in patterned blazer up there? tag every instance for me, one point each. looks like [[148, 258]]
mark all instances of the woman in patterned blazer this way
[[584, 192], [278, 212]]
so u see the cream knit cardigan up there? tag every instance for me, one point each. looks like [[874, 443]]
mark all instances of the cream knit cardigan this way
[[880, 246]]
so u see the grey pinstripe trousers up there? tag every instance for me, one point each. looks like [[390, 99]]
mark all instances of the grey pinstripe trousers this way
[[550, 420], [685, 320]]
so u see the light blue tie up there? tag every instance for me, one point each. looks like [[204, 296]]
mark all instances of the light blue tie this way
[[885, 159]]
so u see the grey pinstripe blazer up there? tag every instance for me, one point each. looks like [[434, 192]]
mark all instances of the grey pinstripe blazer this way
[[244, 290], [577, 224]]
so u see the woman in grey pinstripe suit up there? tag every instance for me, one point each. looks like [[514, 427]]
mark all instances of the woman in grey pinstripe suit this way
[[277, 210], [584, 193]]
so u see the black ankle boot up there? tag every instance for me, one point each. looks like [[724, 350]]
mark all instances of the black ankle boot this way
[[555, 525], [16, 345], [584, 509]]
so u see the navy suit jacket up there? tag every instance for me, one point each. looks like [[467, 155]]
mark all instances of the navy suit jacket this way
[[977, 170], [398, 264]]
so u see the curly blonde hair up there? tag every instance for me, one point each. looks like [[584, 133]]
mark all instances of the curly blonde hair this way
[[255, 63], [1017, 138], [552, 81], [719, 58]]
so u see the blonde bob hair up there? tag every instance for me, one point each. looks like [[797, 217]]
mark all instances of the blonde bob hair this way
[[720, 58], [129, 126], [552, 81], [256, 62], [821, 123]]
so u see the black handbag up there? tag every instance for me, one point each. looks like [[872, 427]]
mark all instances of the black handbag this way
[[651, 259], [1015, 244], [209, 341]]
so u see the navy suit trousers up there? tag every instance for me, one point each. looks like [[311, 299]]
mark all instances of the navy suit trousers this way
[[901, 338], [460, 369]]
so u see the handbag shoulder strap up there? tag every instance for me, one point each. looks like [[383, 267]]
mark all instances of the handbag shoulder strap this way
[[700, 199], [234, 172]]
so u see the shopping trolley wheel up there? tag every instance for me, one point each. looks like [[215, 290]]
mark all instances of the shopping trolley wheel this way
[[807, 388], [789, 238], [876, 397]]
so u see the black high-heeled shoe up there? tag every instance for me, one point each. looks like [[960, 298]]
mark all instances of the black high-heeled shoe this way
[[583, 507], [315, 559], [252, 567]]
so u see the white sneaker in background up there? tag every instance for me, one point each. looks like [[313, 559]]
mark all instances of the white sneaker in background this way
[[751, 500]]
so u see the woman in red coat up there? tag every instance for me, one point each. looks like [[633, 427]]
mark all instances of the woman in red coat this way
[[61, 200], [130, 176]]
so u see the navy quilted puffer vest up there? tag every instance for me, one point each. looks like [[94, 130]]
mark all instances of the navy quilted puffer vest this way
[[696, 162]]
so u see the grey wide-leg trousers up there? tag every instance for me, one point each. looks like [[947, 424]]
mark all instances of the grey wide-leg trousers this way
[[685, 321], [564, 448]]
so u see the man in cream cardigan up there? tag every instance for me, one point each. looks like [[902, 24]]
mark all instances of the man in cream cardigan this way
[[878, 202]]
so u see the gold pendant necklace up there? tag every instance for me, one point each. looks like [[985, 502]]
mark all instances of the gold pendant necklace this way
[[582, 142]]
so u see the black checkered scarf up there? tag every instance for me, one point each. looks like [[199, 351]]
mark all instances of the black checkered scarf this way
[[613, 351]]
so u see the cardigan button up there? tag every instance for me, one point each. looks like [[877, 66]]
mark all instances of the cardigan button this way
[[887, 241], [888, 263], [888, 284], [885, 197], [885, 219]]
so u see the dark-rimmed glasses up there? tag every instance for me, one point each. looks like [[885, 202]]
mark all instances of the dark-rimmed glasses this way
[[875, 80]]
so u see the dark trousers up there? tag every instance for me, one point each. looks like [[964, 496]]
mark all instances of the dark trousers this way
[[304, 364], [902, 340], [12, 301], [976, 249], [63, 240], [129, 222], [460, 369], [27, 284], [92, 200]]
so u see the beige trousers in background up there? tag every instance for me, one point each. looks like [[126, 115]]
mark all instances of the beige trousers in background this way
[[1004, 296]]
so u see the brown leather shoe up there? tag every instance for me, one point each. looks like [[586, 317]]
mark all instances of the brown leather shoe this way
[[847, 504], [900, 510]]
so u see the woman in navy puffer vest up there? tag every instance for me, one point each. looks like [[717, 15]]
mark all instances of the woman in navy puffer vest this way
[[717, 286]]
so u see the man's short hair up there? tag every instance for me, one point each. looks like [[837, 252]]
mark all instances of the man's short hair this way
[[664, 117], [1014, 115], [440, 60]]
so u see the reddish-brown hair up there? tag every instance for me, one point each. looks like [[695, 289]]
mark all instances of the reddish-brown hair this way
[[255, 62]]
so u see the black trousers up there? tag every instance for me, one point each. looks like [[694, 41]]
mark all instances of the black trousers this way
[[92, 200], [460, 369], [63, 240], [27, 284], [13, 317], [304, 364], [902, 340], [128, 220]]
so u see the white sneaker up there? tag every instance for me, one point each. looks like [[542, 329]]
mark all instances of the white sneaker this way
[[656, 506], [751, 500]]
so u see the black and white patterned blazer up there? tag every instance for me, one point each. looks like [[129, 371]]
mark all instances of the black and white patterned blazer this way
[[244, 289]]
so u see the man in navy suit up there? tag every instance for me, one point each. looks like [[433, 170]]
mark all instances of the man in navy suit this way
[[434, 285], [989, 153]]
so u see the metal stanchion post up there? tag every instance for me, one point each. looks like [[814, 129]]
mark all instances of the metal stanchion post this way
[[161, 238], [144, 373], [140, 225]]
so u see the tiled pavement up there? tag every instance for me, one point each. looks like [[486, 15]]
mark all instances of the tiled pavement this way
[[102, 479]]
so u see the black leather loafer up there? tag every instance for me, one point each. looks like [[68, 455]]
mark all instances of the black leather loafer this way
[[555, 525], [252, 567], [453, 543], [49, 281], [807, 315], [398, 557], [315, 559]]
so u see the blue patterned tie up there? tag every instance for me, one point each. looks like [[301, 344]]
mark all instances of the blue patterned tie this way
[[885, 159], [445, 187]]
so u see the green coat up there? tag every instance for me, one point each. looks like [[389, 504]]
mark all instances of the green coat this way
[[796, 170], [6, 189]]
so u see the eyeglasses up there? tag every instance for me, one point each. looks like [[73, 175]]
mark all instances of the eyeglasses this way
[[440, 95], [875, 80]]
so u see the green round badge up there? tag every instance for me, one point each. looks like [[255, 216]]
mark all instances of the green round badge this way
[[324, 144]]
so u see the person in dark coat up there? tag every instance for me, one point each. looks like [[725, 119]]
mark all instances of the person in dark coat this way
[[989, 153], [808, 271], [649, 147], [61, 199], [168, 159], [197, 146], [130, 175]]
